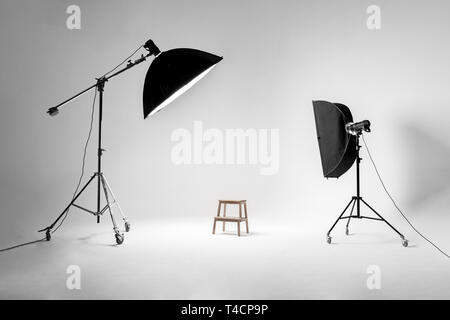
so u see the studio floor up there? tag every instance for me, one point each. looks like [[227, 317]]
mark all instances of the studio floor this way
[[181, 259]]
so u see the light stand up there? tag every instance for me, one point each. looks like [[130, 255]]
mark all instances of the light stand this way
[[101, 179], [357, 200], [170, 74]]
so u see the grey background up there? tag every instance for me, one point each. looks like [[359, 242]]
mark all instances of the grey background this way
[[278, 56]]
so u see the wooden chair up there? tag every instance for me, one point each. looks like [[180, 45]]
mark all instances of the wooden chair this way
[[225, 219]]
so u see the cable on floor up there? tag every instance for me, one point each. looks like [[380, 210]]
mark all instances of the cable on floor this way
[[396, 206]]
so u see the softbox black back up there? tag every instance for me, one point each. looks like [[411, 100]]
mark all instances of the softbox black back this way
[[170, 71], [337, 147]]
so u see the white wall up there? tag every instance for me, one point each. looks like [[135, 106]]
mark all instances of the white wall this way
[[278, 56]]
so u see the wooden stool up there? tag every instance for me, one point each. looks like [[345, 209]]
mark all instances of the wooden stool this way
[[224, 219]]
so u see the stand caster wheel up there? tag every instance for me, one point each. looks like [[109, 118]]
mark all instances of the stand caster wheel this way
[[119, 238], [328, 239], [48, 235], [127, 226], [405, 243], [346, 231]]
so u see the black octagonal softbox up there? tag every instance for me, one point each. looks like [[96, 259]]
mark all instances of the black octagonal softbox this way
[[172, 73]]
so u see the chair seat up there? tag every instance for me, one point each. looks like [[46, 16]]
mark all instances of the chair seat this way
[[233, 201], [229, 218]]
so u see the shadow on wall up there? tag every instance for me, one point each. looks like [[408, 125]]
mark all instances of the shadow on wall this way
[[428, 165]]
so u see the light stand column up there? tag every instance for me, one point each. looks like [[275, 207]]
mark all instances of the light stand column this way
[[100, 89], [358, 190]]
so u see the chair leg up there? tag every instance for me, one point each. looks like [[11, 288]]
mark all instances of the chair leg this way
[[214, 226], [224, 214], [239, 228], [218, 209], [246, 216]]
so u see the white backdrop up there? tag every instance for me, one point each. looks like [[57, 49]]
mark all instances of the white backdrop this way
[[278, 57]]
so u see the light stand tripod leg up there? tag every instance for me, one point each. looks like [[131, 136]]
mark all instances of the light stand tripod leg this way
[[49, 228], [404, 241], [339, 218], [349, 218], [127, 223], [118, 235]]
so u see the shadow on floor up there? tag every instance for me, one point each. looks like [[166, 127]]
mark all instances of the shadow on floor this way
[[428, 165]]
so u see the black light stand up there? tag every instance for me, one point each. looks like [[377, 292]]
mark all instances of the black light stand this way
[[101, 180], [356, 200]]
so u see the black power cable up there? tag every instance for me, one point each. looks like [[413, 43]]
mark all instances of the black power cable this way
[[123, 61], [22, 244], [84, 160], [78, 185], [396, 206]]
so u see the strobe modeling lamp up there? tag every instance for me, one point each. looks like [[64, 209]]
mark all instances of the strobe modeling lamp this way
[[338, 138], [170, 74]]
